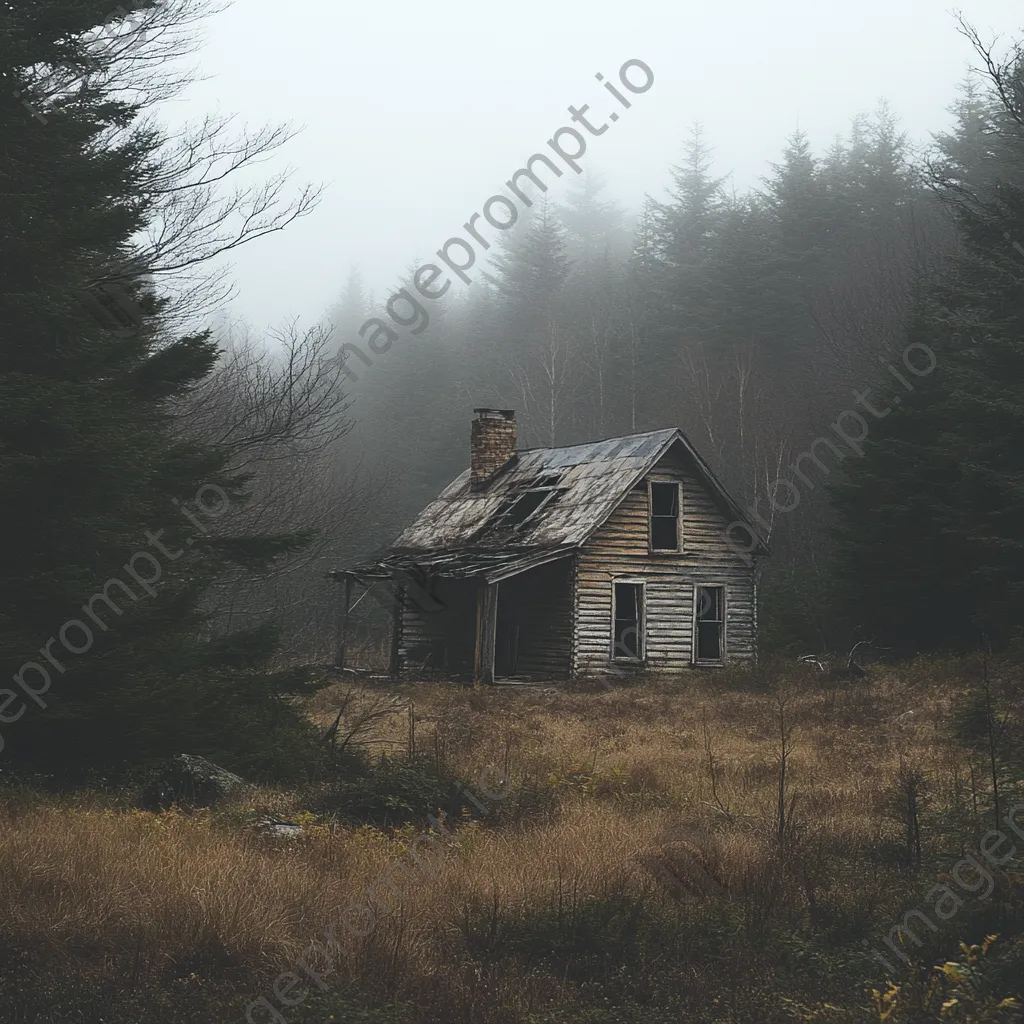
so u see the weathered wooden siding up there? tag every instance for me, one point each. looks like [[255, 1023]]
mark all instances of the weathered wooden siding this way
[[563, 610], [540, 602], [444, 638], [619, 549]]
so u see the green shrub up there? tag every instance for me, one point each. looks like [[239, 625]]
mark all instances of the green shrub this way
[[391, 792]]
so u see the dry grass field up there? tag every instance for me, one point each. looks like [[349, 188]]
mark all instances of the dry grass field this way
[[634, 854]]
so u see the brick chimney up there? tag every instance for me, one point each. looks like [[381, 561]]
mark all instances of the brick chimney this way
[[492, 444]]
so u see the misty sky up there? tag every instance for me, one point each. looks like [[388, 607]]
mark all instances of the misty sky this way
[[413, 114]]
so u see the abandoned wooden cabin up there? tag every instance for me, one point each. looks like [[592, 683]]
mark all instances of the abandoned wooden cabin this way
[[548, 563]]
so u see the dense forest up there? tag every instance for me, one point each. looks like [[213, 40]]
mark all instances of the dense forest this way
[[197, 801], [762, 324], [837, 342]]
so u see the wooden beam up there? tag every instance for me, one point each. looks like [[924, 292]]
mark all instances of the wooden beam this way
[[486, 630], [346, 607]]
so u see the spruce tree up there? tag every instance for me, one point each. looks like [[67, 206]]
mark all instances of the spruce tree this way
[[689, 227], [596, 237], [932, 518], [798, 199], [114, 525], [533, 266], [350, 312], [530, 321]]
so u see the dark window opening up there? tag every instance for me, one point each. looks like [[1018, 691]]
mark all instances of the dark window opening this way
[[710, 623], [627, 639], [664, 517]]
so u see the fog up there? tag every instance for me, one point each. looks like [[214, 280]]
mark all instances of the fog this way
[[539, 540], [413, 115]]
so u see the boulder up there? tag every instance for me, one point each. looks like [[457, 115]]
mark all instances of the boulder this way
[[275, 829], [190, 781]]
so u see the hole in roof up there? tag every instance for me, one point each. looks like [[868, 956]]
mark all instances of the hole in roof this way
[[524, 506], [545, 481], [517, 511]]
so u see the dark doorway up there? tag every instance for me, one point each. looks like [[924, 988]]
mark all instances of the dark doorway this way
[[533, 634]]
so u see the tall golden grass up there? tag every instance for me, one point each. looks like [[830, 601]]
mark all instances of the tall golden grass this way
[[664, 795]]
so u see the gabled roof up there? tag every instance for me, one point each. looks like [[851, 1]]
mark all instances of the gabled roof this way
[[458, 530]]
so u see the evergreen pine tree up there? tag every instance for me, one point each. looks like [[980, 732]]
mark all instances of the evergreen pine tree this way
[[932, 518], [350, 312], [798, 200], [114, 526], [533, 264], [596, 238], [530, 322]]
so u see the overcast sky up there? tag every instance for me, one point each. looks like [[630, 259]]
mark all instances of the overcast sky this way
[[413, 114]]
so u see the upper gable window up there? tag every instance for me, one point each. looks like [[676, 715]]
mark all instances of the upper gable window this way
[[664, 510]]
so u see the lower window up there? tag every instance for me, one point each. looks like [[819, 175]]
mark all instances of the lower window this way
[[628, 622], [709, 624]]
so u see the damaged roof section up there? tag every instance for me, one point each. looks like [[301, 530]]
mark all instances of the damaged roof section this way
[[523, 509], [573, 490], [541, 505]]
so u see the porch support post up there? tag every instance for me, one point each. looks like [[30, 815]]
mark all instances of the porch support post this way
[[345, 607], [486, 628]]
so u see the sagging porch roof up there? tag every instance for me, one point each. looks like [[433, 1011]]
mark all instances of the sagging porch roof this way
[[493, 566]]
